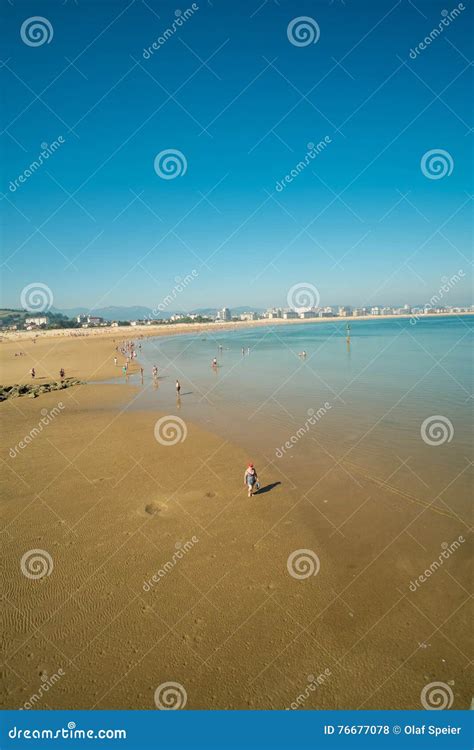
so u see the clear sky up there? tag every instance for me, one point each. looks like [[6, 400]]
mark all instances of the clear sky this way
[[231, 92]]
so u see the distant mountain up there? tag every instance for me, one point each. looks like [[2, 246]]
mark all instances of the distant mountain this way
[[233, 310], [136, 312]]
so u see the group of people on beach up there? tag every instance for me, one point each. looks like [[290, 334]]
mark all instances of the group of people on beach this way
[[128, 350], [62, 373]]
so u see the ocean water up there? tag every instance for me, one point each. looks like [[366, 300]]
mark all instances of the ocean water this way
[[395, 400]]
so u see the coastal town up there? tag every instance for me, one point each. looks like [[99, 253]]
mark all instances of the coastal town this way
[[18, 320]]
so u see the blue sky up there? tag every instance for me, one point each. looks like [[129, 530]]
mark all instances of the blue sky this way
[[361, 222]]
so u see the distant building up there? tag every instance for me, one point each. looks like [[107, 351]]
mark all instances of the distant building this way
[[39, 321], [272, 313], [224, 314], [345, 311], [307, 314], [89, 320], [249, 316], [291, 315]]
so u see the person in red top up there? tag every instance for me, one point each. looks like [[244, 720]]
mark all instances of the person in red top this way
[[251, 479]]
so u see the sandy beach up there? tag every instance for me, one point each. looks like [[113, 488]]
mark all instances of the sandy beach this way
[[159, 568]]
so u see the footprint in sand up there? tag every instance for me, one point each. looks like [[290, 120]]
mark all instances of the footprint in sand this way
[[152, 509]]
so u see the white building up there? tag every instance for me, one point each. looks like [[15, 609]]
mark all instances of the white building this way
[[224, 314], [249, 316], [39, 321]]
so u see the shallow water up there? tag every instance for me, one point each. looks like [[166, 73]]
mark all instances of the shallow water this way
[[360, 403]]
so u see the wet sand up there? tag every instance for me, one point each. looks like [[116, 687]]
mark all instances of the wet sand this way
[[112, 506]]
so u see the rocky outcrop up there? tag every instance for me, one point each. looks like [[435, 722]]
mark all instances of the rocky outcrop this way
[[33, 390]]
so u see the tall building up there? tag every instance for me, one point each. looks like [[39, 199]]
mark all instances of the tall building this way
[[224, 314]]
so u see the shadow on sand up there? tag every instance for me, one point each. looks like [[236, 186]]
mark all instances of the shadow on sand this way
[[267, 488]]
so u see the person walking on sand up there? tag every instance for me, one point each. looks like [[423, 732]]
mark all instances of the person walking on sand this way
[[61, 373], [115, 361], [251, 479], [33, 372], [178, 387]]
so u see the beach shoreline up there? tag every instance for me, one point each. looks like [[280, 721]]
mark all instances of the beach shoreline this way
[[142, 331]]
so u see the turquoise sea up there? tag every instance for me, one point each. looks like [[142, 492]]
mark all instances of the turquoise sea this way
[[396, 399]]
